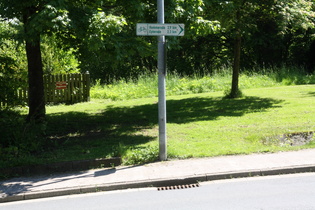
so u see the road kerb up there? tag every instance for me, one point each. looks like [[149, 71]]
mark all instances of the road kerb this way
[[158, 182]]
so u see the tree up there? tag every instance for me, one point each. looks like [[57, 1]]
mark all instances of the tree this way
[[199, 51], [41, 17], [125, 55], [34, 16], [240, 18], [234, 16], [282, 34]]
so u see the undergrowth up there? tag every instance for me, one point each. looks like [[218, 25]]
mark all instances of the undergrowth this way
[[147, 84]]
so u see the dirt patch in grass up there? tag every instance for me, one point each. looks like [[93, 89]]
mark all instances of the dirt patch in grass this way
[[296, 139]]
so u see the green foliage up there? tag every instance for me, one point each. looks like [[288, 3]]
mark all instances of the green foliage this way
[[228, 94], [49, 18], [18, 139], [13, 67], [297, 14], [102, 36], [194, 15], [99, 37], [146, 85], [141, 155], [12, 64], [277, 38], [101, 27], [121, 90], [9, 82], [57, 60], [289, 75], [41, 18], [124, 55]]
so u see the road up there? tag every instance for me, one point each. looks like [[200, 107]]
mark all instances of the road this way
[[273, 192]]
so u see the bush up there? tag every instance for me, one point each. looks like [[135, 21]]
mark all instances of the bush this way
[[20, 139], [141, 155], [229, 94]]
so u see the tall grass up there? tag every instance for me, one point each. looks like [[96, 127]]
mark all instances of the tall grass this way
[[147, 84]]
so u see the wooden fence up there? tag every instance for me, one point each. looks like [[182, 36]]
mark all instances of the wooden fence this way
[[67, 88], [62, 88]]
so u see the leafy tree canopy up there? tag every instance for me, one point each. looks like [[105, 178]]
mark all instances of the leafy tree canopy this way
[[70, 19]]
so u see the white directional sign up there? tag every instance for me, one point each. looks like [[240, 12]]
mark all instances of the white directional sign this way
[[157, 29]]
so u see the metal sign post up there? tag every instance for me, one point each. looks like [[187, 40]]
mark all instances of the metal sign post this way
[[161, 30], [161, 81]]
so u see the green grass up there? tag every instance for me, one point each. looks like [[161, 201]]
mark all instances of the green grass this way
[[147, 85], [241, 126], [198, 124]]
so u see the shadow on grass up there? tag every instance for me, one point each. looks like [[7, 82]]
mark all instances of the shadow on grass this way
[[204, 109], [80, 135], [125, 125], [311, 94], [110, 132]]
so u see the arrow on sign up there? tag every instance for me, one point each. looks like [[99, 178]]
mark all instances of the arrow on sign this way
[[182, 29]]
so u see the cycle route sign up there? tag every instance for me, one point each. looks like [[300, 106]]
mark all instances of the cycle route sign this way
[[157, 29]]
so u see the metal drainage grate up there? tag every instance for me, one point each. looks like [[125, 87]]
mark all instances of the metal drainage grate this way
[[177, 187]]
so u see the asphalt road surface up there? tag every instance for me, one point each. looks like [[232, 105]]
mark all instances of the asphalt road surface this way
[[273, 192]]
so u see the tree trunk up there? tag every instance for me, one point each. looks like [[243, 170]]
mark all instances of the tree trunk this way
[[36, 97], [236, 65], [237, 60]]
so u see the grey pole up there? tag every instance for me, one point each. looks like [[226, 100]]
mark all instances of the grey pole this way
[[162, 95]]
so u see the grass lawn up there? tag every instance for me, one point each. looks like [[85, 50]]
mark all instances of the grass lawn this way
[[198, 125], [207, 125]]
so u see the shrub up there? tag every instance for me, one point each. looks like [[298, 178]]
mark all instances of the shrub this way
[[20, 139], [141, 155]]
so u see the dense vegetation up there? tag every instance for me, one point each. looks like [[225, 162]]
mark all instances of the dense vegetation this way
[[147, 85], [273, 33]]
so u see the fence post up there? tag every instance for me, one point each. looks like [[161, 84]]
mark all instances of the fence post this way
[[87, 89], [67, 90]]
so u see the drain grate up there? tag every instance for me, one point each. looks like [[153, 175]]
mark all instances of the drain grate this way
[[177, 187]]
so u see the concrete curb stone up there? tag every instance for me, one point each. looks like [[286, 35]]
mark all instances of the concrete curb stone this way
[[158, 182]]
